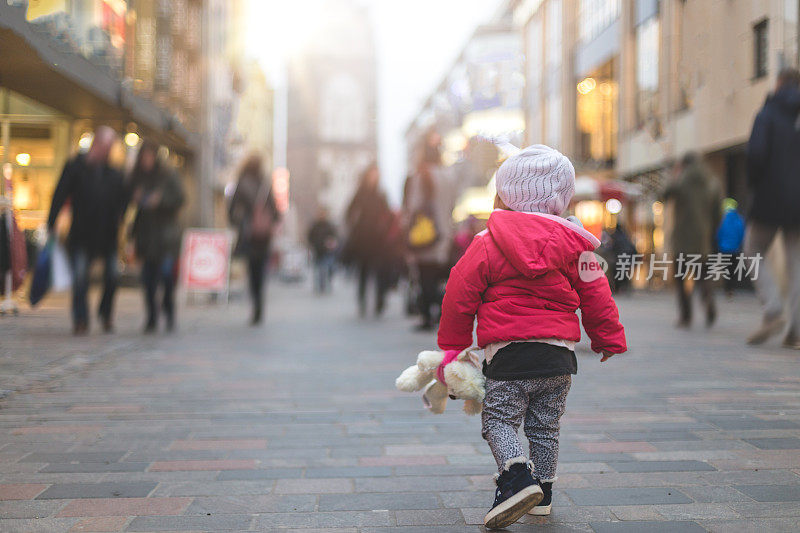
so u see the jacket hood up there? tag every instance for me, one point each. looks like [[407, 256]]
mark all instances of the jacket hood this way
[[787, 98], [535, 243]]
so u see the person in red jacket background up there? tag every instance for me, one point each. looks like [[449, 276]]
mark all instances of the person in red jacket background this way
[[524, 278]]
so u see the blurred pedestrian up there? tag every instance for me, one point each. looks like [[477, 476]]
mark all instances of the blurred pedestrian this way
[[696, 199], [369, 220], [730, 237], [773, 155], [427, 210], [323, 239], [97, 196], [254, 213], [158, 196], [621, 245]]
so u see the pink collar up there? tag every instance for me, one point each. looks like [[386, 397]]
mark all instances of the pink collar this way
[[449, 357]]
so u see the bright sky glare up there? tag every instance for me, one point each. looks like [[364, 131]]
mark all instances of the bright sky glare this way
[[417, 41]]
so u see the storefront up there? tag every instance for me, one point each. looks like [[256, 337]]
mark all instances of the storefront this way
[[34, 143]]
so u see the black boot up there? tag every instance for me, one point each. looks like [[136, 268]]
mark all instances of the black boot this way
[[517, 493], [544, 507]]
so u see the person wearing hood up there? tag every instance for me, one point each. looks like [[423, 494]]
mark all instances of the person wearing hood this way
[[525, 277], [158, 195], [697, 199], [773, 158]]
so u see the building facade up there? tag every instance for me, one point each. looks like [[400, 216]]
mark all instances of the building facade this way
[[331, 130], [70, 65]]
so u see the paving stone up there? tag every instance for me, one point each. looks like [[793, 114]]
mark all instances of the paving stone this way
[[662, 466], [714, 494], [771, 493], [260, 473], [29, 508], [37, 525], [625, 496], [220, 522], [773, 525], [653, 436], [313, 486], [697, 511], [324, 519], [94, 467], [100, 523], [785, 443], [74, 457], [749, 422], [20, 491], [125, 507], [66, 491], [253, 504], [342, 472], [648, 527], [643, 513], [219, 444], [411, 484], [428, 517], [370, 502]]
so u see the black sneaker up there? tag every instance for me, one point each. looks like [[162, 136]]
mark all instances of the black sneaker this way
[[517, 493], [544, 506]]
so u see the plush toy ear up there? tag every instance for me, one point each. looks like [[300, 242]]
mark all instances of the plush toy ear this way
[[435, 397], [472, 407], [428, 361], [411, 380]]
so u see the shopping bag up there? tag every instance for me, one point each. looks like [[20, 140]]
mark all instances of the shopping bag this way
[[60, 273], [42, 279]]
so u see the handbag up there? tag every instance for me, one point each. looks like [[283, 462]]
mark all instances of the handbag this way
[[262, 219]]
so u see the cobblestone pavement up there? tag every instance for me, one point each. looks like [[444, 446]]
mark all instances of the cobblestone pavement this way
[[297, 425]]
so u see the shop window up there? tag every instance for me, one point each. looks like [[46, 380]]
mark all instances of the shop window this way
[[761, 51], [597, 102]]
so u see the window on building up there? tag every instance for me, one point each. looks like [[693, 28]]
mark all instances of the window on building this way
[[594, 16], [534, 58], [554, 30], [343, 113], [597, 102], [760, 52], [647, 51]]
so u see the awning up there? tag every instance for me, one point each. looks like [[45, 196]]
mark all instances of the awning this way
[[34, 65]]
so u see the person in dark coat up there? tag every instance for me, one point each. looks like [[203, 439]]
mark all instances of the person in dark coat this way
[[158, 195], [773, 157], [369, 220], [697, 199], [253, 192], [323, 240], [97, 194]]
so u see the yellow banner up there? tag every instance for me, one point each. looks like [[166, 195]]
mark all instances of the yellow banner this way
[[40, 8]]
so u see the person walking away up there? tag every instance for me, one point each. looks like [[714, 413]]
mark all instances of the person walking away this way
[[696, 199], [369, 219], [521, 278], [98, 198], [427, 208], [773, 156], [323, 240], [621, 245], [158, 196], [730, 237], [254, 213]]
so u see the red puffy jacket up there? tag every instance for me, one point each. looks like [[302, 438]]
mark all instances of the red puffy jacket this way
[[521, 278]]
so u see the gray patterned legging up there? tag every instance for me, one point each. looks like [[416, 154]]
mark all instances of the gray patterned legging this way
[[540, 402]]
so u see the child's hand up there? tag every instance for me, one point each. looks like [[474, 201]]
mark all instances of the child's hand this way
[[606, 356]]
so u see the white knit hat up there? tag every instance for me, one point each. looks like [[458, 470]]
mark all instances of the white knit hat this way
[[536, 179]]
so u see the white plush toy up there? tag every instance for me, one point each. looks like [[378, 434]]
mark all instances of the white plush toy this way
[[445, 374]]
